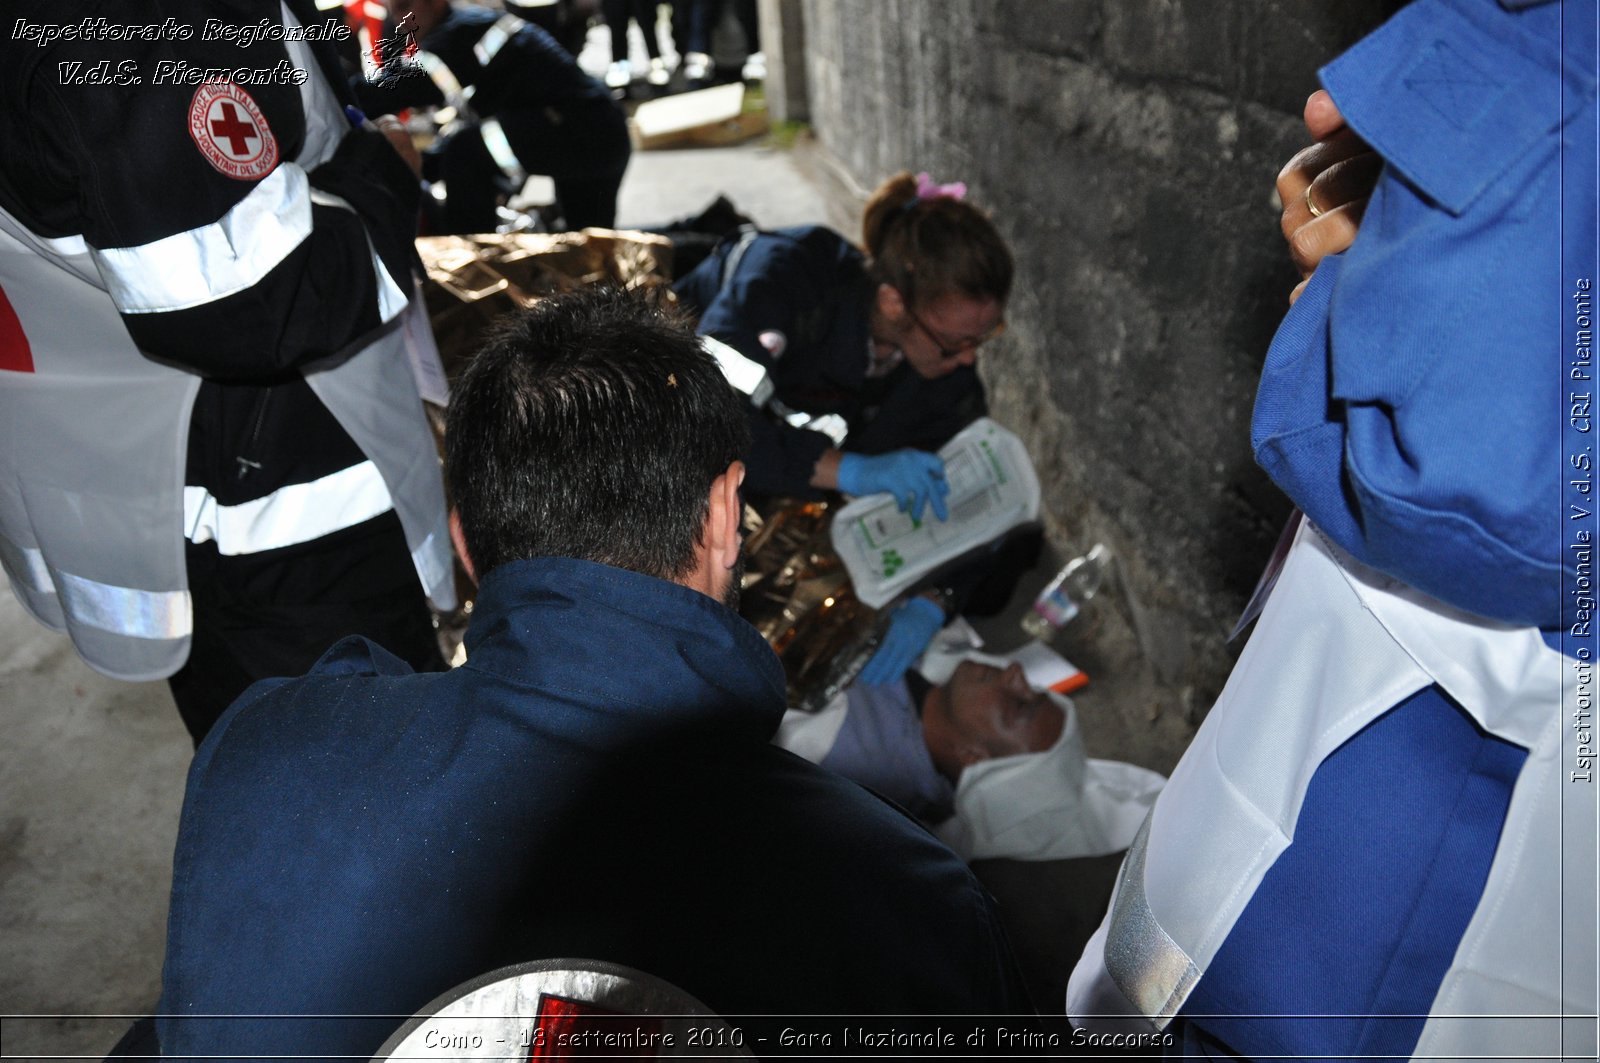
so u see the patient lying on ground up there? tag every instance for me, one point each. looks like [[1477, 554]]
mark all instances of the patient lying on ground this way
[[998, 766]]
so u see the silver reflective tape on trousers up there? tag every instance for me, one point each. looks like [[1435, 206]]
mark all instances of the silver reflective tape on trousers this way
[[489, 45], [213, 261], [293, 514], [1153, 972], [124, 610]]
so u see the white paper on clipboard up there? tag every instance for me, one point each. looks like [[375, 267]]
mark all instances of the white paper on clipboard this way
[[993, 488], [426, 367]]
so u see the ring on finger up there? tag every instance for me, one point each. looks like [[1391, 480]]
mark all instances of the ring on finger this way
[[1316, 211]]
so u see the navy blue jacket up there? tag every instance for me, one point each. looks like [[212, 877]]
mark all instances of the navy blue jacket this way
[[811, 284], [597, 782]]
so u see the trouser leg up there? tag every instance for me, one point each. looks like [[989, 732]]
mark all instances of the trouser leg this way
[[261, 616], [471, 179], [590, 200]]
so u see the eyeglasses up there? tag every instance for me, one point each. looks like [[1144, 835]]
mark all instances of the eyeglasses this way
[[954, 350]]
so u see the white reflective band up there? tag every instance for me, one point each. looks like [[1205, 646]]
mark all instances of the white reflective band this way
[[441, 77], [494, 138], [391, 300], [831, 425], [214, 261], [377, 11], [747, 376], [125, 610], [34, 574], [66, 246], [1151, 969], [426, 560], [490, 43], [329, 5], [120, 610], [290, 515]]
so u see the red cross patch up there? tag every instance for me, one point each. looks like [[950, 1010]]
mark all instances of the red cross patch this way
[[231, 132]]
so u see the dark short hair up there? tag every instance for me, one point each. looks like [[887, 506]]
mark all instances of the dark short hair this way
[[591, 426]]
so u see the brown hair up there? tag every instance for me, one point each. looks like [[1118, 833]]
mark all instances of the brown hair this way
[[926, 248]]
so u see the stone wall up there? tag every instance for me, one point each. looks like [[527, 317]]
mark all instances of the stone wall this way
[[1127, 149]]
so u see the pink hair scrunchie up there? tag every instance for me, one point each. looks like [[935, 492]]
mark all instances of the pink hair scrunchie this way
[[928, 189]]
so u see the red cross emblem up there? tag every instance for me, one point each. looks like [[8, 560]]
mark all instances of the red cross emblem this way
[[231, 132]]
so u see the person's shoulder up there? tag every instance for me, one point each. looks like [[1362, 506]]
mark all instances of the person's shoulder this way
[[352, 681], [815, 249], [358, 655], [830, 811], [464, 20], [818, 238]]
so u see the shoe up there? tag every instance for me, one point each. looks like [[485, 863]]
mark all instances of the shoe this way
[[659, 74], [720, 218], [619, 74], [696, 66], [755, 67]]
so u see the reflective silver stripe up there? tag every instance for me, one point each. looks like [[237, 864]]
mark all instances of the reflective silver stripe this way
[[290, 515], [748, 376], [1151, 969], [442, 78], [29, 567], [494, 138], [426, 560], [489, 45], [66, 246], [125, 610], [214, 261], [831, 425], [120, 610]]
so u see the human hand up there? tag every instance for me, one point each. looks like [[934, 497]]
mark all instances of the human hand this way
[[1324, 188], [914, 477], [911, 628], [395, 131]]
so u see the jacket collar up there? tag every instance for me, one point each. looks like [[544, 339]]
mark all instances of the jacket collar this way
[[605, 636]]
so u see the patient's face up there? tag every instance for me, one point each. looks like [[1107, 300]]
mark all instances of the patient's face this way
[[997, 710]]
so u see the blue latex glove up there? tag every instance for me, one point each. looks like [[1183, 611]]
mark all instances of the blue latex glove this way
[[911, 628], [914, 477]]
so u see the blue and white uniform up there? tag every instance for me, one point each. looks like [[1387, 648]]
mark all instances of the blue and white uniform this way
[[1365, 851]]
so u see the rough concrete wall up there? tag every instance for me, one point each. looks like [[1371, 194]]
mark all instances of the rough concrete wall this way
[[783, 39], [1127, 149]]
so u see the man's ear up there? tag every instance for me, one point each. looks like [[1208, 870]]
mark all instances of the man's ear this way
[[724, 518], [891, 304], [459, 539]]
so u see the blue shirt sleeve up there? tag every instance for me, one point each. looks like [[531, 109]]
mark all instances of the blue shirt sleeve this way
[[1414, 399]]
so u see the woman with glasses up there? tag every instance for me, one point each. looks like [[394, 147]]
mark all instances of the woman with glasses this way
[[865, 357]]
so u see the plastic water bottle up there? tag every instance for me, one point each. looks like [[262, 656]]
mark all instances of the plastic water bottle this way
[[1063, 596]]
